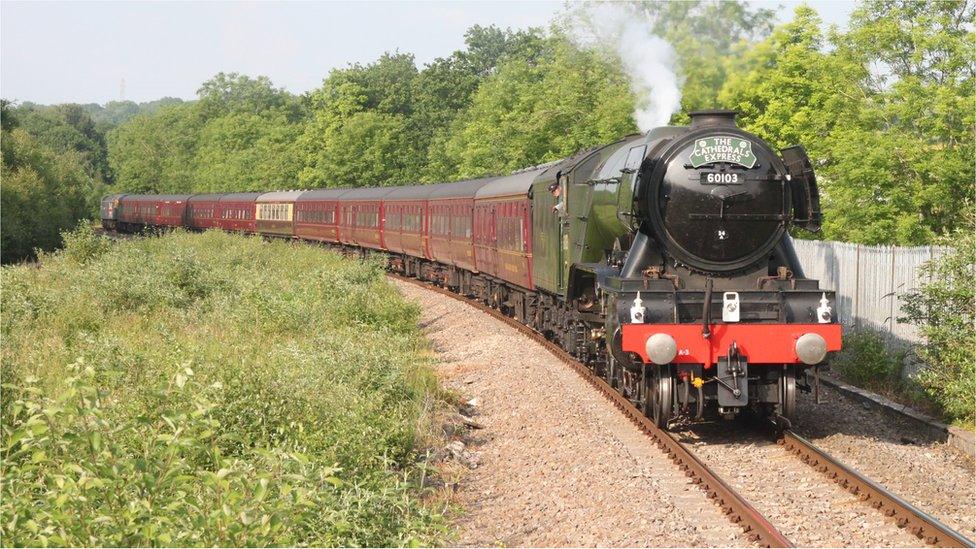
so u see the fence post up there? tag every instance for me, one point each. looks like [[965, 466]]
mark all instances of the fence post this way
[[891, 304], [857, 283], [931, 257]]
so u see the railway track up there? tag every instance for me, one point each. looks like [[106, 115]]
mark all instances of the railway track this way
[[735, 506], [905, 515]]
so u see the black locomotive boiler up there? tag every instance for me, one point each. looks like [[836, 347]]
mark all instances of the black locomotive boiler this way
[[706, 309]]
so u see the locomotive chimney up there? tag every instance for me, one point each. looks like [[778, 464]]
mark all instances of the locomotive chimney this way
[[713, 118]]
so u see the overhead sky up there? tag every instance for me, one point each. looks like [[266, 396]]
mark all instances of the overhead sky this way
[[53, 52]]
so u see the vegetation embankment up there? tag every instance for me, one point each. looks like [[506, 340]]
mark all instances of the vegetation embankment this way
[[211, 389]]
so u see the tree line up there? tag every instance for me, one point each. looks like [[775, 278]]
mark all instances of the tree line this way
[[55, 168], [884, 108]]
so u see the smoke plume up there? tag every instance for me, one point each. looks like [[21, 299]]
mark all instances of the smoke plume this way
[[647, 60]]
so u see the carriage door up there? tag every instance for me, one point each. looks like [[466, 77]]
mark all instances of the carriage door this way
[[562, 205]]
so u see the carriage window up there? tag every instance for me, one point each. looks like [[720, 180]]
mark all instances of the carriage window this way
[[273, 212]]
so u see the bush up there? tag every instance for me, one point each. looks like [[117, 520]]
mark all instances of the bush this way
[[210, 389], [945, 310], [83, 245], [866, 361]]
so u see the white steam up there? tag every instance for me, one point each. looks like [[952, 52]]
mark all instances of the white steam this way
[[647, 60]]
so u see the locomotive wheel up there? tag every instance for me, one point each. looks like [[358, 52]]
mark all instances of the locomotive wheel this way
[[658, 394], [787, 392]]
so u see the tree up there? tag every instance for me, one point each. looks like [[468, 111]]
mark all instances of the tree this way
[[240, 135], [246, 152], [420, 105], [920, 100], [68, 127], [705, 34], [155, 153], [533, 111], [44, 191], [445, 87], [114, 113], [893, 146], [368, 149], [229, 93], [360, 124]]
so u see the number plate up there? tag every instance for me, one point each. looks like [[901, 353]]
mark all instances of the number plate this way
[[727, 178]]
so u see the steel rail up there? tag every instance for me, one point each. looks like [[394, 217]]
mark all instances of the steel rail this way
[[736, 507], [905, 514]]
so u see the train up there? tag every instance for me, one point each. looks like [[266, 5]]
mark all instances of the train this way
[[662, 261]]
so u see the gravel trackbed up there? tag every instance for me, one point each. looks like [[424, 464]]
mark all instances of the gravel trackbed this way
[[558, 465]]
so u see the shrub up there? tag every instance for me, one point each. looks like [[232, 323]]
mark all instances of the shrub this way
[[945, 310], [82, 244], [866, 361], [210, 389]]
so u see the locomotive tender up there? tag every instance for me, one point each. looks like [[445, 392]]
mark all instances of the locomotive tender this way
[[662, 261]]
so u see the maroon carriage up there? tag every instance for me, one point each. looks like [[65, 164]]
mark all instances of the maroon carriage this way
[[170, 210], [164, 210], [361, 217], [450, 209], [405, 221], [502, 219], [201, 211], [236, 212], [317, 214], [134, 210]]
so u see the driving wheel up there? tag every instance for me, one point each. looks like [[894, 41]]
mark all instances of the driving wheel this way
[[658, 387], [787, 392]]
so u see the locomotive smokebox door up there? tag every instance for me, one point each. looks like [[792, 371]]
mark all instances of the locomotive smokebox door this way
[[733, 381]]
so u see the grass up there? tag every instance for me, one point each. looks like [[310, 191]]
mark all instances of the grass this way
[[210, 389]]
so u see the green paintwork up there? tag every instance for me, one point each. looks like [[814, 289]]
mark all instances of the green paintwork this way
[[598, 210]]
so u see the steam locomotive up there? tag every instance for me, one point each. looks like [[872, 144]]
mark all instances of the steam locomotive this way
[[662, 261]]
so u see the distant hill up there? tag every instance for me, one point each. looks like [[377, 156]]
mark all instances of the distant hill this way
[[113, 113]]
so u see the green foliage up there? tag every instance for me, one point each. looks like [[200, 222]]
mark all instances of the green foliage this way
[[155, 153], [56, 168], [444, 89], [367, 146], [236, 93], [945, 308], [210, 389], [885, 110], [245, 151], [82, 245], [239, 136], [113, 113], [67, 128], [44, 191], [866, 361], [359, 129], [538, 109]]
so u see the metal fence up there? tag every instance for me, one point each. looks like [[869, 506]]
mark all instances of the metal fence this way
[[869, 280]]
